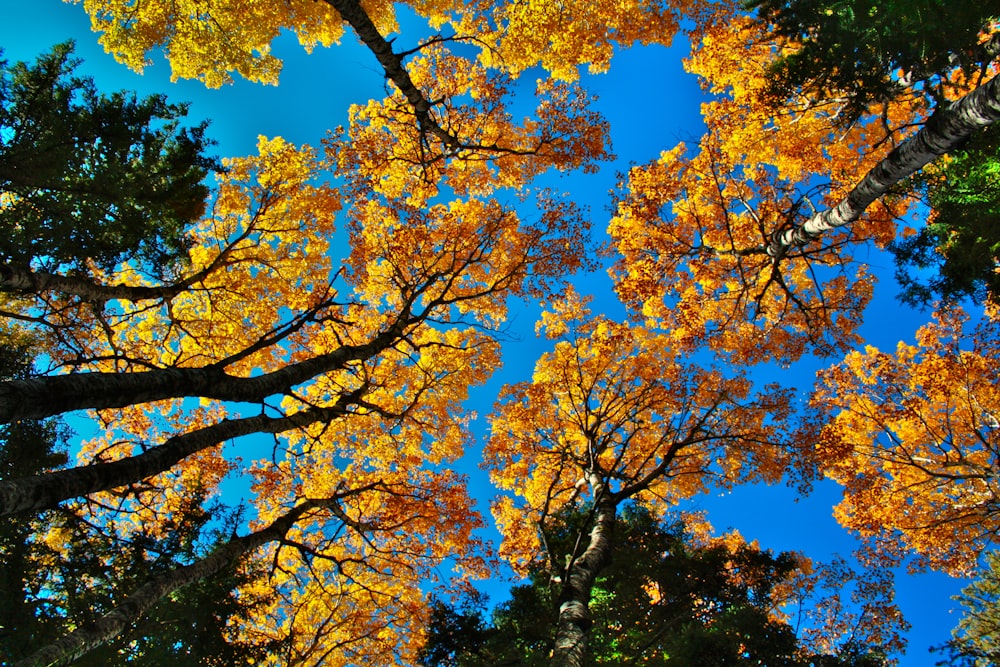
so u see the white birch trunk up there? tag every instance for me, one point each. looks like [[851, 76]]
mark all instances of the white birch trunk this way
[[946, 129], [573, 627]]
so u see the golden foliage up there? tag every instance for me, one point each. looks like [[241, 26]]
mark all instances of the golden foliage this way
[[402, 329], [693, 227], [209, 40], [395, 337], [614, 411], [913, 439]]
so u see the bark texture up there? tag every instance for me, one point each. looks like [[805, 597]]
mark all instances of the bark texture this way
[[947, 128], [40, 492], [21, 279], [573, 626]]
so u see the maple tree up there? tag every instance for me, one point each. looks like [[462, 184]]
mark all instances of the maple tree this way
[[911, 437], [617, 414], [360, 368], [747, 241], [365, 389], [209, 43]]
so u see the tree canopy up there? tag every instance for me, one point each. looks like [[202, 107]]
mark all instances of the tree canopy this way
[[311, 326]]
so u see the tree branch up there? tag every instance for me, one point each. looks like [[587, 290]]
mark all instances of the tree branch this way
[[946, 129]]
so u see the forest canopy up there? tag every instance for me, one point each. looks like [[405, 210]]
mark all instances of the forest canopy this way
[[335, 328]]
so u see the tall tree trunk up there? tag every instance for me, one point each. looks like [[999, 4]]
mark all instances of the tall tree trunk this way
[[947, 128], [41, 397], [352, 12], [77, 643], [39, 492], [573, 626]]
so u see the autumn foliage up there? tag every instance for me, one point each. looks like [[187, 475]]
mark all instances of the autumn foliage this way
[[339, 302], [913, 438], [615, 412]]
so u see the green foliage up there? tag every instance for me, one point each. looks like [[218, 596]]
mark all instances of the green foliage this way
[[87, 175], [27, 447], [188, 627], [711, 607], [59, 588], [860, 49], [961, 243], [976, 640]]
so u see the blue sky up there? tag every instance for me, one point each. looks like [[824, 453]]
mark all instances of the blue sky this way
[[648, 113]]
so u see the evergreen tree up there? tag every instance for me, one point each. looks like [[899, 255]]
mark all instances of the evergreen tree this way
[[864, 53], [60, 571], [976, 640], [88, 175], [870, 51], [961, 241], [663, 600], [27, 447]]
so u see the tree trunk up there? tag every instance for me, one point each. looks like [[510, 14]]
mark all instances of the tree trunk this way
[[392, 63], [947, 128], [573, 627], [39, 492], [21, 279], [80, 641], [41, 397]]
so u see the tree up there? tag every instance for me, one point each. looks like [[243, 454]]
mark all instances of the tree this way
[[871, 52], [239, 35], [356, 564], [74, 572], [27, 447], [668, 597], [366, 389], [87, 176], [960, 239], [614, 415], [975, 640], [749, 240], [911, 436], [357, 370], [49, 586]]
